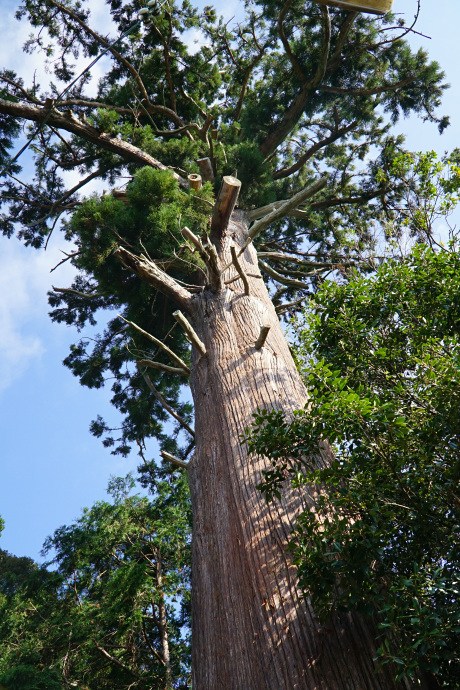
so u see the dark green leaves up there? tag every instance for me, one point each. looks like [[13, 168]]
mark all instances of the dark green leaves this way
[[381, 359], [118, 593]]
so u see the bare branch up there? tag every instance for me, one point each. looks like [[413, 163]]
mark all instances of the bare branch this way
[[223, 209], [150, 273], [195, 181], [260, 342], [178, 315], [163, 367], [339, 201], [77, 293], [159, 343], [280, 256], [116, 661], [280, 278], [27, 95], [239, 268], [283, 209], [281, 308], [209, 255], [167, 407], [173, 459], [206, 170]]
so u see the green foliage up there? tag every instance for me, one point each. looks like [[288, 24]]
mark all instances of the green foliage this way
[[157, 97], [430, 193], [150, 222], [94, 620], [381, 361]]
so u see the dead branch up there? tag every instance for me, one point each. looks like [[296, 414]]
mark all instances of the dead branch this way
[[281, 308], [283, 209], [209, 255], [223, 209], [240, 270], [280, 278], [116, 661], [206, 170], [188, 328], [173, 459], [163, 367], [159, 343], [150, 273], [77, 293], [168, 408], [260, 342], [195, 181]]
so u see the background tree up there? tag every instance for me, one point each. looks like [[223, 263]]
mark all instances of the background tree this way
[[114, 612], [297, 102], [380, 360]]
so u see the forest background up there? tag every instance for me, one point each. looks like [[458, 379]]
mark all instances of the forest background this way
[[51, 467]]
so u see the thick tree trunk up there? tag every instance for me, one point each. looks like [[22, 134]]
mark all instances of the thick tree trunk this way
[[250, 629]]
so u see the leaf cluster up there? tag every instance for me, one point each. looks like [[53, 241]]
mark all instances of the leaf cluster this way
[[381, 361], [97, 619]]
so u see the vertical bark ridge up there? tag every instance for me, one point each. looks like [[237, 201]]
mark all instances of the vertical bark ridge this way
[[250, 628]]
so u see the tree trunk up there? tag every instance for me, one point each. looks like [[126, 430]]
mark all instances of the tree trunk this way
[[250, 628]]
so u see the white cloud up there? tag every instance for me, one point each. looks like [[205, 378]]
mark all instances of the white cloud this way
[[24, 281]]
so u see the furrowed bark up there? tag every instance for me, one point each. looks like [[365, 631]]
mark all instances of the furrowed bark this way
[[251, 630]]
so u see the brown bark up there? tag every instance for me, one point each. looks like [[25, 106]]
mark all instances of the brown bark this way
[[250, 628]]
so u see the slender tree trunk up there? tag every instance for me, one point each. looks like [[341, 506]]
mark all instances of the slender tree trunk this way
[[250, 629], [163, 623]]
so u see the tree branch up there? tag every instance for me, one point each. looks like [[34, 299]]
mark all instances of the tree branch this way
[[150, 108], [340, 43], [158, 343], [293, 60], [297, 107], [188, 328], [239, 268], [108, 142], [367, 92], [116, 661], [281, 279], [338, 201], [105, 44], [173, 459], [77, 293], [167, 407], [283, 209], [162, 367], [150, 273], [337, 134]]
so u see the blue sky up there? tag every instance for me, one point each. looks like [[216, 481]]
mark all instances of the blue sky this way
[[51, 467]]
